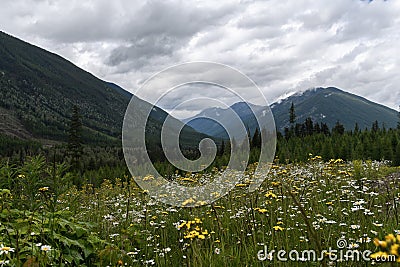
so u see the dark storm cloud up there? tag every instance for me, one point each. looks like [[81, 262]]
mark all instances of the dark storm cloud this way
[[161, 28], [141, 51]]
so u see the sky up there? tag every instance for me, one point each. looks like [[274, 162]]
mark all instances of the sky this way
[[283, 46]]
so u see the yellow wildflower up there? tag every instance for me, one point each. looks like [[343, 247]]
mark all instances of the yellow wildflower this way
[[270, 194], [390, 238], [379, 243], [278, 228], [275, 183], [394, 250], [262, 210], [181, 225]]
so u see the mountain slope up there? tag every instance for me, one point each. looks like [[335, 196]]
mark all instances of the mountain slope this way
[[326, 105], [329, 105], [38, 90], [210, 127]]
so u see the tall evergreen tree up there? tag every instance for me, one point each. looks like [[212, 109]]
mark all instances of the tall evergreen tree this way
[[375, 126], [396, 160], [309, 125], [398, 122], [287, 133], [325, 129], [292, 114], [75, 137], [222, 148], [256, 141], [317, 128], [338, 129], [356, 129]]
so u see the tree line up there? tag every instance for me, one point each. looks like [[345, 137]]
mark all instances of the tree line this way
[[93, 164], [300, 139]]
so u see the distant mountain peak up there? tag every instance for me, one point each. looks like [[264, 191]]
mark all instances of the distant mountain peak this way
[[322, 104], [308, 91]]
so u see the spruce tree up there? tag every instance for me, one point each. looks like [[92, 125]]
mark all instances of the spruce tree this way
[[309, 126], [325, 129], [396, 160], [338, 129], [287, 133], [317, 128], [75, 138], [292, 115], [398, 122], [356, 129], [256, 141], [375, 126], [222, 148]]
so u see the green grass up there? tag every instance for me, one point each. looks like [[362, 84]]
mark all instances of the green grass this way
[[299, 207]]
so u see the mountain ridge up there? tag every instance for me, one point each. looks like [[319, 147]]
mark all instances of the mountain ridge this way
[[324, 105], [39, 89], [334, 104]]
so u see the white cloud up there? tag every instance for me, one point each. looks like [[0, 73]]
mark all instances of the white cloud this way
[[282, 45]]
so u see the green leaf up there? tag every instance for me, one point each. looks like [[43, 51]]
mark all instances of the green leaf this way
[[76, 255], [87, 251], [80, 231], [68, 242], [68, 258]]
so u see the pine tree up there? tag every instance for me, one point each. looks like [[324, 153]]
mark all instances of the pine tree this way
[[356, 129], [317, 128], [75, 138], [222, 148], [325, 129], [287, 133], [297, 130], [396, 161], [292, 115], [398, 122], [339, 128], [309, 125], [375, 126], [256, 141]]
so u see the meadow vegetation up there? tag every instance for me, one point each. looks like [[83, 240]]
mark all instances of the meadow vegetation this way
[[46, 220]]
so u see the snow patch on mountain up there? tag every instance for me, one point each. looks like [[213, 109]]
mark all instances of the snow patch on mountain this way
[[300, 93]]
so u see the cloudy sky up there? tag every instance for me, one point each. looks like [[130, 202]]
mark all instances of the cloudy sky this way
[[283, 46]]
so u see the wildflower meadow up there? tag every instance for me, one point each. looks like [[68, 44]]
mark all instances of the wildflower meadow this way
[[46, 221]]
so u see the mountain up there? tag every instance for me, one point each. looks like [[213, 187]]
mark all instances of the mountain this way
[[210, 127], [329, 105], [38, 90], [326, 105]]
